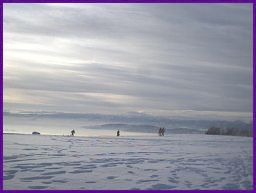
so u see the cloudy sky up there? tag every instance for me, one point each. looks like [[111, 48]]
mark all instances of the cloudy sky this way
[[161, 59]]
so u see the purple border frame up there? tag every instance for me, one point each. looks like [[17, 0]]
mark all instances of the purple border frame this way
[[254, 91], [253, 2], [128, 1]]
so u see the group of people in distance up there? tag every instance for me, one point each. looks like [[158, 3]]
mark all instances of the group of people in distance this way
[[161, 131]]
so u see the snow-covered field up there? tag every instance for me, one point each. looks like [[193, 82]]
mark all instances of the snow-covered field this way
[[139, 162]]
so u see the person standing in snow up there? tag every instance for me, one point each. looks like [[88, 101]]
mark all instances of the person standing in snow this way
[[163, 131], [160, 131]]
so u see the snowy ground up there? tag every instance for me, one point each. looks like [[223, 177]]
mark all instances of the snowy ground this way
[[150, 162]]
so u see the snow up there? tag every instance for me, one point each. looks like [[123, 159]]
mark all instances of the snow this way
[[134, 162]]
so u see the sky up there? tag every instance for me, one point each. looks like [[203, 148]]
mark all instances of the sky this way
[[160, 59]]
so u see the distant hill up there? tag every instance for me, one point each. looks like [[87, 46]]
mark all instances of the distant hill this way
[[144, 128], [128, 127]]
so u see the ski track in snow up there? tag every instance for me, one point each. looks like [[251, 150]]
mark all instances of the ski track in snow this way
[[151, 162]]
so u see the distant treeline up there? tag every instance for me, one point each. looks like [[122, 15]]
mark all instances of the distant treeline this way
[[229, 131]]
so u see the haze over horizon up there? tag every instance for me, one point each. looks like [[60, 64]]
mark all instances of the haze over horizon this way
[[192, 60]]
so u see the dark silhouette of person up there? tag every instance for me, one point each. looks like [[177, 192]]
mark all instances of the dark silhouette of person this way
[[118, 133], [160, 131], [73, 132], [163, 131]]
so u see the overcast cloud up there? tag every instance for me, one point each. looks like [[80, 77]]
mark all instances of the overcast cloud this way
[[162, 59]]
